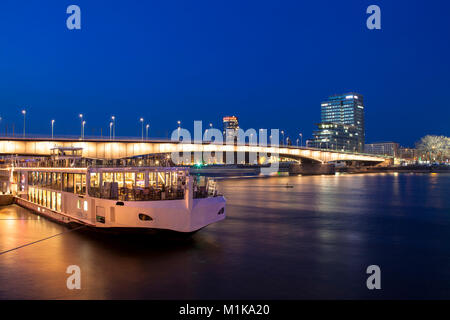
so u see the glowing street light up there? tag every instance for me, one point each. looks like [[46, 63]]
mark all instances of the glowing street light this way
[[110, 130], [113, 118], [82, 129], [301, 137], [142, 129], [81, 122], [146, 131], [53, 123], [24, 112], [282, 140]]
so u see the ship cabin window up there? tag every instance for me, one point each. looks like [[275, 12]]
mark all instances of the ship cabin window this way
[[140, 180], [80, 183], [118, 177], [152, 179], [68, 182], [94, 180], [54, 181], [58, 201], [107, 177], [49, 199], [139, 185], [53, 200], [129, 180], [44, 198]]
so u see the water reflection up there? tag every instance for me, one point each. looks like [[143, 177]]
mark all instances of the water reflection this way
[[310, 241]]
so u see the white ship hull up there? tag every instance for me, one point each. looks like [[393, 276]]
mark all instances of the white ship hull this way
[[171, 215]]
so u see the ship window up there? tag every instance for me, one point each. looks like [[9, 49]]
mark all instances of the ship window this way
[[78, 204], [129, 180], [118, 177], [144, 217], [94, 179], [85, 206], [54, 200], [140, 182], [58, 202], [49, 199], [58, 181], [100, 219], [80, 183]]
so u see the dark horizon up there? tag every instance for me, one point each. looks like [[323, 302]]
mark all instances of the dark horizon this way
[[270, 64]]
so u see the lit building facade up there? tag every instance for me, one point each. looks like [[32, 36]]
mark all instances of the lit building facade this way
[[383, 148], [230, 126], [342, 123], [408, 153], [346, 109], [335, 136]]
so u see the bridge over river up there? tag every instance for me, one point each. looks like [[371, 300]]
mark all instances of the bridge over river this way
[[119, 149]]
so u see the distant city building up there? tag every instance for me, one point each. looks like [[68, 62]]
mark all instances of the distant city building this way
[[230, 126], [408, 153], [347, 112], [335, 136], [382, 148]]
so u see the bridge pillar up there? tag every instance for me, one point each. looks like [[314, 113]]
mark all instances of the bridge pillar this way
[[311, 168]]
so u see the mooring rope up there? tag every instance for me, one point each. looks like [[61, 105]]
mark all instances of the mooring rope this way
[[29, 244]]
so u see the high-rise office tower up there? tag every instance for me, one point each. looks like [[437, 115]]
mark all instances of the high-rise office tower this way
[[346, 109], [230, 126]]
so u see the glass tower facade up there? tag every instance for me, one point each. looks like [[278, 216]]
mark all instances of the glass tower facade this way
[[230, 126], [342, 123]]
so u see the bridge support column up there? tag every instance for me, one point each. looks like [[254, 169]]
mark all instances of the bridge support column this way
[[311, 168]]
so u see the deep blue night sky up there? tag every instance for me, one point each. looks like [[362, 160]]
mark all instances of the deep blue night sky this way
[[269, 62]]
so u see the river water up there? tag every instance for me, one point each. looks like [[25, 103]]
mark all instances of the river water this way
[[312, 241]]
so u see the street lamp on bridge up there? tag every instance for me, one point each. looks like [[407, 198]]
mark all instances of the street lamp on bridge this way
[[142, 128], [146, 131], [82, 129], [24, 112], [113, 118], [53, 123], [82, 125]]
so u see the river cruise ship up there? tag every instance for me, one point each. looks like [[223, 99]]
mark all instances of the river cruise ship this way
[[119, 197]]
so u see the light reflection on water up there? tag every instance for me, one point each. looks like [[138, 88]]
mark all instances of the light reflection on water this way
[[311, 241]]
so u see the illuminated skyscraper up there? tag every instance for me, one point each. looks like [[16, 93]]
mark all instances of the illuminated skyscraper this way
[[346, 109], [342, 123], [230, 126]]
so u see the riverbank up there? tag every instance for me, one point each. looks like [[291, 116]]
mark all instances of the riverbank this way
[[403, 169]]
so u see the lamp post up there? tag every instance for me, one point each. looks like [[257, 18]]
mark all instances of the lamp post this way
[[113, 118], [146, 131], [81, 121], [282, 134], [301, 139], [110, 130], [82, 129], [53, 122], [24, 112], [142, 128], [297, 142]]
